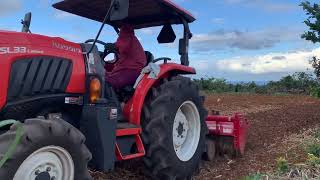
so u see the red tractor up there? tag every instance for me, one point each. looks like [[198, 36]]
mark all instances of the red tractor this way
[[58, 115]]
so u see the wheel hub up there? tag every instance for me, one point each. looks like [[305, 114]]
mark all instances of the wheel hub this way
[[47, 163], [180, 129], [43, 176]]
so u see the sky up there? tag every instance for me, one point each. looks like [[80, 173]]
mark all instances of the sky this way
[[239, 40]]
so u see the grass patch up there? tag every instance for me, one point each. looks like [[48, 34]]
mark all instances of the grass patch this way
[[314, 149], [282, 165], [313, 160], [257, 176]]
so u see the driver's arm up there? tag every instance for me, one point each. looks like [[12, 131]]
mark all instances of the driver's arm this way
[[123, 44]]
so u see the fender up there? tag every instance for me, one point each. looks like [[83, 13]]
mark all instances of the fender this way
[[133, 107]]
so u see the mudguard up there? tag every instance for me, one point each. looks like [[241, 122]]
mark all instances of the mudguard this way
[[133, 107]]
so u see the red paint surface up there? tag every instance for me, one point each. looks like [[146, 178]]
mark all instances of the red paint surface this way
[[238, 124], [34, 42], [133, 108], [139, 144]]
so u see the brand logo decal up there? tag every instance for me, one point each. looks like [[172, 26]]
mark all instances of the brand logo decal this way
[[65, 47]]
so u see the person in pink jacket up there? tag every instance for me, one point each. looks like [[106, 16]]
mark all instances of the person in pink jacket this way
[[132, 59]]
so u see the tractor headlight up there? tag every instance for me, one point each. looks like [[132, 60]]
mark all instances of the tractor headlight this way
[[95, 90]]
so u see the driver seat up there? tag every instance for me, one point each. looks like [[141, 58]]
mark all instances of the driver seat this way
[[127, 92]]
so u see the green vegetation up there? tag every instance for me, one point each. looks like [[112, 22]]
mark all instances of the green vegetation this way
[[298, 83], [257, 176], [282, 165], [314, 149], [313, 160]]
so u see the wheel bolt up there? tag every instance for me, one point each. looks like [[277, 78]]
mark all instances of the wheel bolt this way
[[48, 169], [37, 172]]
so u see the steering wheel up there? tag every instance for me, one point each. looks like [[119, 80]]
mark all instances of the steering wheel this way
[[98, 41], [109, 48]]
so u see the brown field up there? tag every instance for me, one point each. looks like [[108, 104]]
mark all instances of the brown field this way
[[273, 119]]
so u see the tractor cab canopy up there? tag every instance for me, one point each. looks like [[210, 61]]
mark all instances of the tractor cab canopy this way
[[137, 13], [141, 14]]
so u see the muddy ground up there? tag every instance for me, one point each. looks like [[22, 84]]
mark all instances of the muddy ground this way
[[272, 119]]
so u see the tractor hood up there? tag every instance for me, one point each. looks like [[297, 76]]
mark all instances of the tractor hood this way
[[142, 13]]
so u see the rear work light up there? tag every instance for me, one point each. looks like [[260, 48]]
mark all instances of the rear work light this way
[[95, 90]]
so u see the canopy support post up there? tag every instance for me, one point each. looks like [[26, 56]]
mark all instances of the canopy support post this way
[[184, 43]]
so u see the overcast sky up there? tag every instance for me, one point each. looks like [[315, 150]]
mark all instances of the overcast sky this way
[[240, 40]]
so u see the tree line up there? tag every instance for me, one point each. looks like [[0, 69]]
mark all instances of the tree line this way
[[297, 83]]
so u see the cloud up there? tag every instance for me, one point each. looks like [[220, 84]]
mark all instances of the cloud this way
[[62, 15], [218, 20], [9, 7], [245, 40], [270, 63], [265, 5], [147, 31]]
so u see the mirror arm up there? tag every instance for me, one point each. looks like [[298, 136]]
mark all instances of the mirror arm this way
[[26, 23], [102, 26]]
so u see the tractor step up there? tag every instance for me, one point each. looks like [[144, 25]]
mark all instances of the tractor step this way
[[126, 129], [126, 125], [128, 134]]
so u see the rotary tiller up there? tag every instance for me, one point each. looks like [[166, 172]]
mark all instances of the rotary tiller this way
[[227, 135]]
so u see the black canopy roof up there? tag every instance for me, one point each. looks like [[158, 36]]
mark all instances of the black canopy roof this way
[[142, 13]]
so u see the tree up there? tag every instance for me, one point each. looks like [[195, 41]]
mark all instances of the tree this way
[[313, 35], [313, 21]]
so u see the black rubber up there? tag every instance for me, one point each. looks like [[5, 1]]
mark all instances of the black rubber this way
[[41, 75], [38, 133], [159, 112]]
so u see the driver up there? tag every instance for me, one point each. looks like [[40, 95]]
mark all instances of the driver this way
[[132, 59]]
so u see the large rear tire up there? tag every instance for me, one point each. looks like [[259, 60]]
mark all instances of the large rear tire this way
[[48, 149], [174, 130]]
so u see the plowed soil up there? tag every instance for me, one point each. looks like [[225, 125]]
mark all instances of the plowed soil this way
[[272, 119]]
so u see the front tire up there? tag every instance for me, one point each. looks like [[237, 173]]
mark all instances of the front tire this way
[[174, 130], [48, 149]]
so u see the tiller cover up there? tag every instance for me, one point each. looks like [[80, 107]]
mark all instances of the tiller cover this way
[[227, 135]]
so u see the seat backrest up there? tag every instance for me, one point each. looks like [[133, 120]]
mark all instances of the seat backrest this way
[[149, 56]]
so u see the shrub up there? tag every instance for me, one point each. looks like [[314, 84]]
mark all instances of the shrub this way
[[282, 165], [314, 149], [313, 160], [315, 92]]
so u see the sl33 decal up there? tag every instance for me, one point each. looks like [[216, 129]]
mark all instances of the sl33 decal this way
[[18, 50]]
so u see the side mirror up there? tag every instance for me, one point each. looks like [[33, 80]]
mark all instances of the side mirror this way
[[26, 22], [120, 10], [166, 35]]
